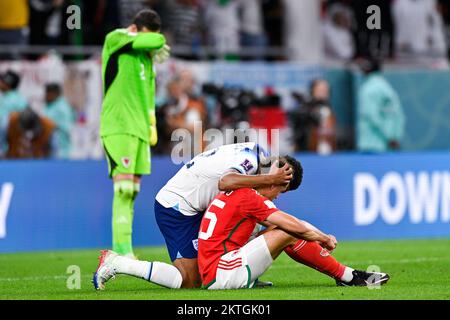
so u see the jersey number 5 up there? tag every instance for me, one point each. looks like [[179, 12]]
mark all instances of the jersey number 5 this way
[[209, 214]]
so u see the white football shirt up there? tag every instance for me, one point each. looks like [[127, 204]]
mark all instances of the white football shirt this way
[[196, 184]]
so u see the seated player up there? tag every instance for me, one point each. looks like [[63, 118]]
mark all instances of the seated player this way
[[180, 204], [228, 261], [307, 252]]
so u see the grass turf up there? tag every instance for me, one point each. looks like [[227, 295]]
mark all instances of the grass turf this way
[[419, 269]]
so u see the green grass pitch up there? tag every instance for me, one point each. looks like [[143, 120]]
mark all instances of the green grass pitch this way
[[419, 269]]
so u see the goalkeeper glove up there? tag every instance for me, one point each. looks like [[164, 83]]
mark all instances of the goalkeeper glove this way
[[161, 55], [153, 132]]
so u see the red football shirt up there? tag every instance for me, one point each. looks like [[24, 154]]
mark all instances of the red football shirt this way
[[227, 225]]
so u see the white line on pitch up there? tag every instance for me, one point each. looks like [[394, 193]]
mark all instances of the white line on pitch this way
[[40, 278]]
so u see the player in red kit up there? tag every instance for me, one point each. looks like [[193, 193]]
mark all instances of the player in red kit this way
[[228, 260]]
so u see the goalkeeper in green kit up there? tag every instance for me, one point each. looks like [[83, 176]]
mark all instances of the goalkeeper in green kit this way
[[128, 124]]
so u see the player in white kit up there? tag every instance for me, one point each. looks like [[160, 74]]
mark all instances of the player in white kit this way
[[179, 208]]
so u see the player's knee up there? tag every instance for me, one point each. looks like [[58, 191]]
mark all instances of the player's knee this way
[[124, 188], [190, 277], [288, 239], [191, 282], [281, 237]]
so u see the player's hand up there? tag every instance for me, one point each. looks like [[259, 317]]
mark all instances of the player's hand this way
[[153, 139], [282, 175], [330, 243], [161, 55], [153, 136]]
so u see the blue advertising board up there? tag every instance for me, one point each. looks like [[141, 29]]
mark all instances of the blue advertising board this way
[[49, 205]]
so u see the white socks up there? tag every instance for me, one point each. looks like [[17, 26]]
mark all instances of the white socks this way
[[165, 275], [132, 267], [159, 273], [348, 275]]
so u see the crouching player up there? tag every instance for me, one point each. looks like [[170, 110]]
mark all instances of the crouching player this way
[[179, 207], [228, 261]]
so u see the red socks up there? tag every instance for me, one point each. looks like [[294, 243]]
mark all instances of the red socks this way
[[314, 256]]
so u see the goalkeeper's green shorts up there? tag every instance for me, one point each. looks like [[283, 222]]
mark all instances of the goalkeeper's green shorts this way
[[126, 154]]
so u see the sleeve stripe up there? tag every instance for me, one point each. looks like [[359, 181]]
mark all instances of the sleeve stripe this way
[[270, 204], [239, 169]]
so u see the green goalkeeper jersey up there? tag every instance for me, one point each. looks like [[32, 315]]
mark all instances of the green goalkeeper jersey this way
[[128, 82]]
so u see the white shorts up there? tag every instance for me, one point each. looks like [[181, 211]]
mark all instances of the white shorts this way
[[240, 268]]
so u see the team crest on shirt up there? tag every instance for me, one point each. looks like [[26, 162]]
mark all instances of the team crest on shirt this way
[[126, 161], [195, 244], [247, 165]]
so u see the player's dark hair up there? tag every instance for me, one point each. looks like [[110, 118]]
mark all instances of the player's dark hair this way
[[297, 175], [149, 19]]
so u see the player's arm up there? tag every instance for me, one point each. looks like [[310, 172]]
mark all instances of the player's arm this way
[[301, 229], [121, 40], [149, 41], [232, 179]]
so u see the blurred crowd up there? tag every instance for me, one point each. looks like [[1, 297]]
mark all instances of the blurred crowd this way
[[193, 107], [311, 122], [26, 134], [307, 30]]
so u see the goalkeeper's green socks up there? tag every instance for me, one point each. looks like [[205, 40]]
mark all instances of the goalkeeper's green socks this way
[[122, 221]]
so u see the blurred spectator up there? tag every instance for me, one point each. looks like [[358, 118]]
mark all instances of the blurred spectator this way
[[181, 111], [380, 120], [375, 42], [14, 16], [222, 21], [302, 30], [314, 122], [323, 135], [273, 22], [419, 29], [10, 100], [252, 30], [129, 8], [61, 113], [183, 24], [29, 135], [444, 10], [47, 23], [337, 32], [99, 18], [189, 84]]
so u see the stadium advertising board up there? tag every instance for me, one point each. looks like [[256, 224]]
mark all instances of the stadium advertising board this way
[[46, 205]]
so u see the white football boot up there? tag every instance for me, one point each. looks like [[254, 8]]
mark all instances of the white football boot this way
[[105, 270]]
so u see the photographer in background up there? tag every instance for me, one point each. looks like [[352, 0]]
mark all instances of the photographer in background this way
[[314, 123], [380, 120], [181, 111]]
